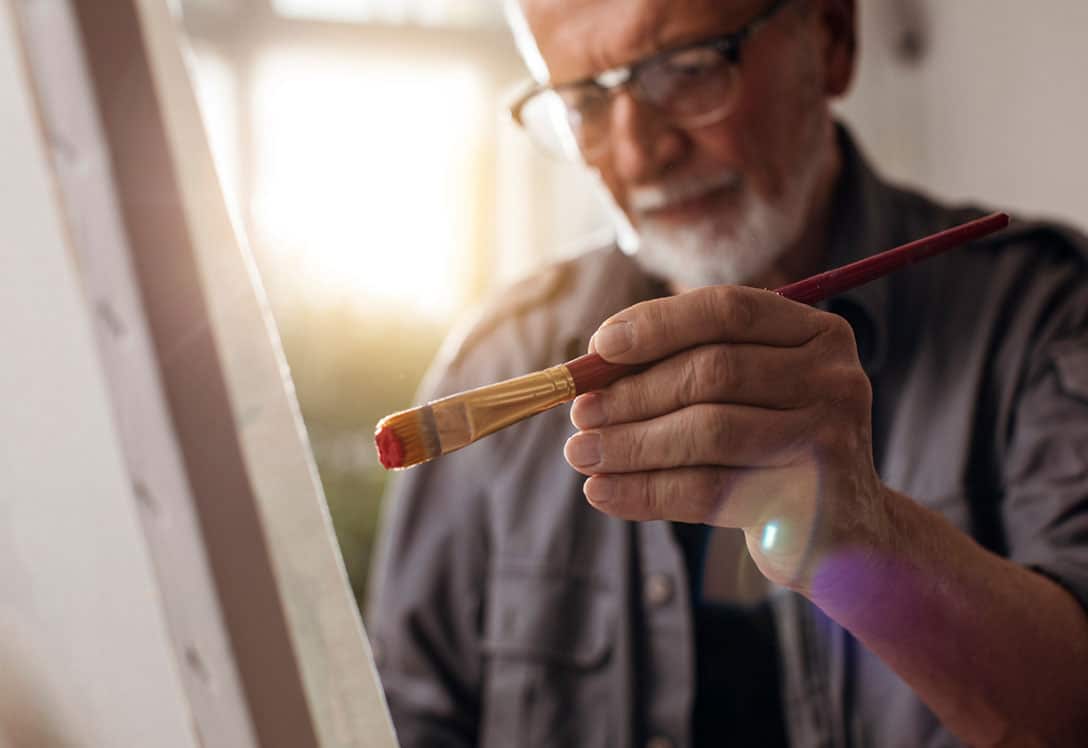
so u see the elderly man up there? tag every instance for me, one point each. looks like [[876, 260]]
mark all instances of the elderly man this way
[[908, 466]]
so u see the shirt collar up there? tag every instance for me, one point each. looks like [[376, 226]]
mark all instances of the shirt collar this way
[[863, 223]]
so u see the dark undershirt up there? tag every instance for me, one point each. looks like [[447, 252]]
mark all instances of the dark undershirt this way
[[737, 700]]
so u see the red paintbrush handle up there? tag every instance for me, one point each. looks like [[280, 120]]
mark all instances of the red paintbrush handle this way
[[591, 372], [825, 285]]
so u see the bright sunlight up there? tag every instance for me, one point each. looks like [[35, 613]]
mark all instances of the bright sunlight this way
[[364, 177]]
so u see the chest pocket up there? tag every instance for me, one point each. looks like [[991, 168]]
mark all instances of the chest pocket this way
[[548, 641]]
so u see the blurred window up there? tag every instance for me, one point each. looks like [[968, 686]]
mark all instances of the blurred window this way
[[427, 12], [361, 168], [363, 148]]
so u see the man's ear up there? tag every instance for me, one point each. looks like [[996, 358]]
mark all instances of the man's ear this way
[[838, 21]]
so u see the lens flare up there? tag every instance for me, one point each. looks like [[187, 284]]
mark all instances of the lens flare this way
[[770, 532]]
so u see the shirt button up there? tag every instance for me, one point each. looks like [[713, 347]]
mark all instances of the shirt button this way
[[658, 591], [659, 741]]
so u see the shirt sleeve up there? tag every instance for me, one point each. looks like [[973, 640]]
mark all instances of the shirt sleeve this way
[[426, 605], [1046, 502]]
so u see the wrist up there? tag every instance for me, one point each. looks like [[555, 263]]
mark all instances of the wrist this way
[[861, 556]]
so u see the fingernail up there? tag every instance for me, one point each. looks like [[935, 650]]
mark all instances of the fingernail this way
[[598, 489], [588, 411], [612, 339], [583, 450]]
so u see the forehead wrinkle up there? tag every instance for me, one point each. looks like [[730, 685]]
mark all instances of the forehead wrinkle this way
[[602, 38], [605, 48], [577, 41]]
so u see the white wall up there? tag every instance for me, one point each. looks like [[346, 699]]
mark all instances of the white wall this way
[[995, 110]]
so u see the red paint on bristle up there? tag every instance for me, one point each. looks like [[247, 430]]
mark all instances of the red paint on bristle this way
[[390, 448]]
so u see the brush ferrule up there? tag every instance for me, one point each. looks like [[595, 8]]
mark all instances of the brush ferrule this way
[[464, 418]]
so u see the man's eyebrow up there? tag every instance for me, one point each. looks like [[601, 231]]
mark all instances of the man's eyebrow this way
[[695, 39], [662, 37]]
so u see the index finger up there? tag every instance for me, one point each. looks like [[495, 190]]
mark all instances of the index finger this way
[[658, 328]]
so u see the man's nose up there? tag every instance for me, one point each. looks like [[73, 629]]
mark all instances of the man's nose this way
[[644, 144]]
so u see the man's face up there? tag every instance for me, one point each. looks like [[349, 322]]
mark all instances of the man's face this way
[[718, 203]]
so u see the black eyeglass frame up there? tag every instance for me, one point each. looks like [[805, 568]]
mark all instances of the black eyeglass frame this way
[[729, 46]]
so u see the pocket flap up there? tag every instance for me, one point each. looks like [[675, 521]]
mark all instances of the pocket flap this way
[[539, 613]]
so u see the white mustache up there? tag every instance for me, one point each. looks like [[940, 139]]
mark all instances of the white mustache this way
[[658, 196]]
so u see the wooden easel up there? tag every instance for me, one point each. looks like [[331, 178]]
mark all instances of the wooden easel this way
[[173, 576]]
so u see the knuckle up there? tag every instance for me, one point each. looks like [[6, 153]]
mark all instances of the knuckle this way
[[796, 443], [847, 398], [716, 488], [736, 308], [826, 436], [690, 382], [721, 369], [852, 385], [859, 390], [635, 447], [642, 400], [651, 496], [712, 371], [838, 390], [631, 398], [719, 432], [714, 299], [820, 386], [839, 335], [693, 436], [657, 320], [697, 491], [859, 380], [642, 492], [801, 390]]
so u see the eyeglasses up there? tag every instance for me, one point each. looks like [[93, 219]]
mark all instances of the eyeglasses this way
[[693, 85]]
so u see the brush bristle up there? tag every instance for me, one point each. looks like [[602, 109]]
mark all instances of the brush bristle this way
[[407, 438]]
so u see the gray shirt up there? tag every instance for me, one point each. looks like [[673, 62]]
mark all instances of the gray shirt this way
[[508, 612]]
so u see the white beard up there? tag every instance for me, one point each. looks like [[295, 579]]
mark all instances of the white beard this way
[[713, 251], [733, 248]]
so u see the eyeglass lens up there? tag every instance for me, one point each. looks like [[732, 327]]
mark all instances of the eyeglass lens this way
[[691, 86]]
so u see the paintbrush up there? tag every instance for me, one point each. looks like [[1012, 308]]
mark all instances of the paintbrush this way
[[419, 435]]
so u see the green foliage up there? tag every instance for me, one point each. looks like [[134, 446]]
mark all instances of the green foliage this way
[[351, 367]]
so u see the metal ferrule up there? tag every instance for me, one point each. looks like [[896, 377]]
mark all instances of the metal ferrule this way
[[462, 419]]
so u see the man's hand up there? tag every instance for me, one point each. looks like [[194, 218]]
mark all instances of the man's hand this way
[[755, 415]]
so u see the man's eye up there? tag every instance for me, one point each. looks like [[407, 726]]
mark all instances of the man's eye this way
[[693, 61]]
